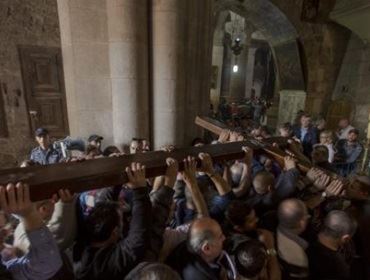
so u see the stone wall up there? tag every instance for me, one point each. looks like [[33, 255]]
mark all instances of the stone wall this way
[[21, 23], [353, 84], [323, 46]]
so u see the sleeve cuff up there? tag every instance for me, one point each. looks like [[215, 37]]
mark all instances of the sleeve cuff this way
[[140, 193], [39, 236]]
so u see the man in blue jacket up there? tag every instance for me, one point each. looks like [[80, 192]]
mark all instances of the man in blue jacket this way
[[306, 134]]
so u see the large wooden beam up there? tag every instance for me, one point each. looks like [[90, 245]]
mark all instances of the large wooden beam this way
[[265, 145], [217, 127], [45, 181]]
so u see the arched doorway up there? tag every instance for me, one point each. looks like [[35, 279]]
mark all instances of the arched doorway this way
[[256, 55]]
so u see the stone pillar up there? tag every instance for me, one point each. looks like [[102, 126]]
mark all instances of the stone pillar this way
[[168, 72], [226, 72], [198, 62], [83, 28], [128, 49], [250, 72], [291, 101]]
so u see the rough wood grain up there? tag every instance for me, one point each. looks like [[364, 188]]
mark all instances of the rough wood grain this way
[[44, 181]]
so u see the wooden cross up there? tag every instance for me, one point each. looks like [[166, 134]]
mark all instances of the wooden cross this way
[[44, 181]]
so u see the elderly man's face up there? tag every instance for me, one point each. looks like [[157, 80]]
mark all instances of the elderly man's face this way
[[216, 245]]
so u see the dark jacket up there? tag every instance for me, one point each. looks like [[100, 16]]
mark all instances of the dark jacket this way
[[310, 139], [190, 266], [285, 187], [4, 273], [115, 261], [161, 204]]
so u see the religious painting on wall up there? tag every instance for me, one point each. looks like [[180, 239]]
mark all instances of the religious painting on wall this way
[[214, 77], [290, 66]]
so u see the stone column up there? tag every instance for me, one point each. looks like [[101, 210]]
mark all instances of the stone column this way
[[168, 71], [226, 72], [198, 62], [250, 72], [85, 49], [128, 49], [291, 101]]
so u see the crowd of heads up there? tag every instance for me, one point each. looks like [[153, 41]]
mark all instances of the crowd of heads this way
[[252, 218]]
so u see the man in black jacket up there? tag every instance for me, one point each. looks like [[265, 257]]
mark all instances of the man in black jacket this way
[[325, 259], [201, 257], [109, 255]]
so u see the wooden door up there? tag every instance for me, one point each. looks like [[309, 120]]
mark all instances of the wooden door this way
[[43, 82], [337, 110]]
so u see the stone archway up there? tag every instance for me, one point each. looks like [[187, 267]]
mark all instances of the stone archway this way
[[282, 37]]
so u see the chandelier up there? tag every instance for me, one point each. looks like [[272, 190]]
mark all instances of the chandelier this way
[[236, 30]]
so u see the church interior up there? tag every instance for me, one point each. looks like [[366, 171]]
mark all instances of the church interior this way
[[124, 69], [125, 79]]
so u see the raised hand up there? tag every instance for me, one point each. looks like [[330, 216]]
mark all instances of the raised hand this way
[[313, 174], [289, 163], [248, 158], [224, 136], [65, 196], [136, 175], [322, 181], [335, 188], [190, 168], [234, 136], [15, 199], [206, 164], [171, 172], [167, 148]]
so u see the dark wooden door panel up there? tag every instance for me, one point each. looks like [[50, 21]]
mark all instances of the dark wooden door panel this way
[[43, 80], [49, 109], [45, 73]]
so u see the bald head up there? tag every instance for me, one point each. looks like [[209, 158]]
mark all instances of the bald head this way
[[202, 224], [263, 181], [292, 214], [206, 238], [338, 224]]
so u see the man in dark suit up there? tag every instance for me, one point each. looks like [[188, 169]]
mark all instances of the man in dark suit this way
[[307, 134], [201, 257]]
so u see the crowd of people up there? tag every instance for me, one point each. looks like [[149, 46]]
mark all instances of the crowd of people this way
[[249, 218]]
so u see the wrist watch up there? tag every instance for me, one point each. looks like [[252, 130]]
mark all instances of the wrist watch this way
[[324, 195], [271, 252]]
